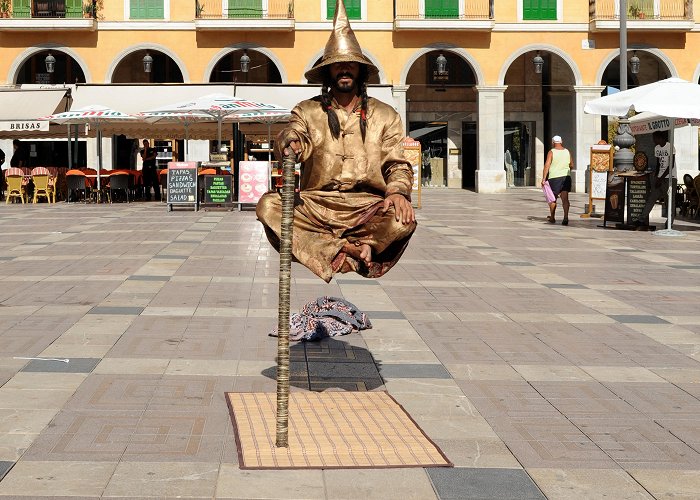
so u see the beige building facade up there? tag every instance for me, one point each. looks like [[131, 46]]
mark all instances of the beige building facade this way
[[488, 107]]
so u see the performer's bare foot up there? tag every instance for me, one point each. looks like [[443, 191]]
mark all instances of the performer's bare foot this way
[[361, 252]]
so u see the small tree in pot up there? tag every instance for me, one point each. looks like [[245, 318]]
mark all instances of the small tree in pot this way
[[5, 7]]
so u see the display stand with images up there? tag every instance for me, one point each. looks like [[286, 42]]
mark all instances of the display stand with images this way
[[412, 153], [253, 181], [601, 163]]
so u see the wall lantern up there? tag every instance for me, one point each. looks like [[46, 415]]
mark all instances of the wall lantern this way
[[50, 63], [245, 62], [634, 63], [441, 65], [147, 63], [538, 62]]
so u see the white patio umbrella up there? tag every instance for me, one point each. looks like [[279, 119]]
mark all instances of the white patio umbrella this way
[[186, 119], [672, 98], [266, 117], [94, 115], [219, 107]]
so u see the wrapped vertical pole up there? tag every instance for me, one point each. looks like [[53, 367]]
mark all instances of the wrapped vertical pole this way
[[284, 295]]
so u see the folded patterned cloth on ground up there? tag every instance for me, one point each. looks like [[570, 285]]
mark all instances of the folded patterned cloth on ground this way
[[326, 317]]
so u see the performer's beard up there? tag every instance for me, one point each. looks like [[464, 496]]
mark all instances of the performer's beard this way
[[345, 88]]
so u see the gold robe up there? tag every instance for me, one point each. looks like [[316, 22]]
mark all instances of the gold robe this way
[[342, 188]]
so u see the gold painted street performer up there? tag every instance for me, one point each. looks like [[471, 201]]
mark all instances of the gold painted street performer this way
[[353, 212]]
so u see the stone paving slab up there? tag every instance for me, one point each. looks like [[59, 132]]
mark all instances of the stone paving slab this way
[[544, 360]]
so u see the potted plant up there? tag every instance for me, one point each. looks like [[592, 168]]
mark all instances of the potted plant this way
[[634, 11], [199, 8], [92, 8], [5, 7]]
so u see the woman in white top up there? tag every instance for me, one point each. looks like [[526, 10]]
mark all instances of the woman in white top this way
[[557, 169]]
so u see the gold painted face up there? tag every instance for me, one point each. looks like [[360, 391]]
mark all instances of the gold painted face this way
[[344, 76]]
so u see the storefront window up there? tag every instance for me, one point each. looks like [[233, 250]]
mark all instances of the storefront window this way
[[433, 139], [519, 153]]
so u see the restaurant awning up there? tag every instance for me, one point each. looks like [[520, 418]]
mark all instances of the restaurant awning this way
[[20, 108], [647, 122], [138, 98]]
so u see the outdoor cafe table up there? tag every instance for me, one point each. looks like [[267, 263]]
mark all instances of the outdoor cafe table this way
[[99, 193]]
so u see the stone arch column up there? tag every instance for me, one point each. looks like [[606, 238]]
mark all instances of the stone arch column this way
[[490, 174]]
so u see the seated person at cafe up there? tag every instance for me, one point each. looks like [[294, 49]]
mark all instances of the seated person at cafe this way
[[659, 181]]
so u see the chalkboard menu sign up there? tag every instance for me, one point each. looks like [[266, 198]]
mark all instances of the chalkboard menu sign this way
[[637, 191], [182, 184], [615, 199], [218, 190]]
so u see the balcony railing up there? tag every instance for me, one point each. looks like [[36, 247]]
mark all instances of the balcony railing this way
[[445, 9], [52, 9], [49, 15], [475, 15], [642, 10], [244, 9]]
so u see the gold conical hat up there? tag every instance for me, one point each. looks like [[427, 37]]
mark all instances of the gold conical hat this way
[[342, 46]]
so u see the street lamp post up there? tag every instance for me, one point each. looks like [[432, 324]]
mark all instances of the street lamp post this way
[[624, 140]]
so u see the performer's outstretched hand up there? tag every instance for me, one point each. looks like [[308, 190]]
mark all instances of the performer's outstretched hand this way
[[294, 146], [402, 208]]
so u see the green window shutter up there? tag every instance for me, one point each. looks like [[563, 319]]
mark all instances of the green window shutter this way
[[74, 8], [441, 9], [21, 8], [146, 9], [352, 7], [540, 10], [245, 8]]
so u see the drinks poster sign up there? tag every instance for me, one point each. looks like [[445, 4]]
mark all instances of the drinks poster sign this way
[[412, 153], [253, 180]]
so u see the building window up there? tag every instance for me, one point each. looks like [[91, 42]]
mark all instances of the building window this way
[[47, 8], [539, 10], [352, 7], [250, 9], [146, 9], [441, 9]]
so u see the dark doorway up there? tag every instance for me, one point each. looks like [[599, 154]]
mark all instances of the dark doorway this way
[[469, 155]]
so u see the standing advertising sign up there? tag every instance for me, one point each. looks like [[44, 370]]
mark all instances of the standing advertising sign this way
[[601, 163], [253, 181], [614, 199], [412, 153], [218, 190], [182, 184], [637, 191]]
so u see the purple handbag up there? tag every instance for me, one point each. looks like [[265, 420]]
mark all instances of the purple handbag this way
[[548, 194]]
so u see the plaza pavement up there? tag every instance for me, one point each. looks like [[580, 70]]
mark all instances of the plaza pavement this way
[[545, 361]]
